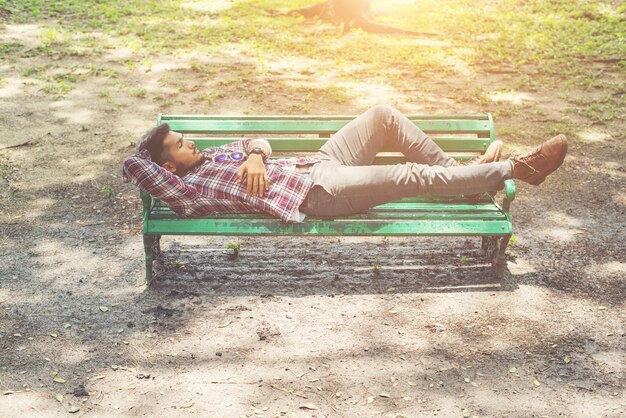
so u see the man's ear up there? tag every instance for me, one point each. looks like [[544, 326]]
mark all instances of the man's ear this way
[[169, 167]]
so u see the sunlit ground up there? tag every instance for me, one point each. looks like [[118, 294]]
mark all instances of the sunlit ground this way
[[81, 80]]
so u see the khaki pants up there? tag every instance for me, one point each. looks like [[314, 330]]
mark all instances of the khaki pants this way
[[347, 183]]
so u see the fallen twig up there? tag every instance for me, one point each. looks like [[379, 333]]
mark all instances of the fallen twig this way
[[286, 391], [29, 142]]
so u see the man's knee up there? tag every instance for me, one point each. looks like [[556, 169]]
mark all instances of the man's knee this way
[[383, 112]]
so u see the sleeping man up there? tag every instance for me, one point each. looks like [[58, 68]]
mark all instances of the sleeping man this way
[[339, 180]]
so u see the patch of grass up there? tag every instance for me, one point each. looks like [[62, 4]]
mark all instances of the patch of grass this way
[[335, 94], [57, 89], [556, 128], [509, 134], [138, 92], [68, 77], [561, 38], [525, 82], [10, 47], [473, 94], [106, 72], [50, 37], [107, 191], [235, 247], [105, 94], [210, 98], [36, 71], [168, 80], [164, 100], [604, 110]]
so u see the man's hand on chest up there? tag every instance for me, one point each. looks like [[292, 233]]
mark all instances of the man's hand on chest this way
[[252, 171]]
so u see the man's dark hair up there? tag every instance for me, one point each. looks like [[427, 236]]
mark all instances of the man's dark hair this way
[[154, 142]]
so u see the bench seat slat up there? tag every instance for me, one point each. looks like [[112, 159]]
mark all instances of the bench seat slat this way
[[449, 144], [420, 206], [322, 227], [167, 118], [371, 214]]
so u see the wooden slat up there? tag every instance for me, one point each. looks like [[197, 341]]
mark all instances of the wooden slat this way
[[484, 203], [449, 144], [423, 216], [311, 126], [167, 118], [424, 206], [323, 227]]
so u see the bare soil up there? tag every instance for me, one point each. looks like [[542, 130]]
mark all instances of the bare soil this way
[[297, 327]]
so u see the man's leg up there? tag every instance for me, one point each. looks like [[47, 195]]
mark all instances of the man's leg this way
[[361, 139], [343, 190]]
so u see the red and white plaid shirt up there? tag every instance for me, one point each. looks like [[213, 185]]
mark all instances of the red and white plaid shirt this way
[[212, 187]]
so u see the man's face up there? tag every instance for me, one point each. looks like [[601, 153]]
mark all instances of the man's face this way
[[181, 154]]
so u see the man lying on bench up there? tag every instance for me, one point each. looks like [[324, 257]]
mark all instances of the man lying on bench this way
[[339, 180]]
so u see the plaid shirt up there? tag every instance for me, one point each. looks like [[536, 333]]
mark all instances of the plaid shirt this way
[[212, 187]]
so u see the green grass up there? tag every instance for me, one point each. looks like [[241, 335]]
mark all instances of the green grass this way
[[36, 71], [604, 110], [477, 33], [9, 47], [538, 44], [138, 92], [59, 89]]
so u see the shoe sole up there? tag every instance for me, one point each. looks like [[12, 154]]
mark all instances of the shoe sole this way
[[553, 169]]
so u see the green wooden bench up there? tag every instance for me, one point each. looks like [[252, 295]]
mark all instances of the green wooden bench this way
[[463, 136]]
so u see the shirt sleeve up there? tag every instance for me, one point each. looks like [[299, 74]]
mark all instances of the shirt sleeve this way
[[160, 183]]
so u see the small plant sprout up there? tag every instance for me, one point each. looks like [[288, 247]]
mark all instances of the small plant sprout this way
[[463, 259], [235, 246], [107, 191], [377, 266], [512, 240]]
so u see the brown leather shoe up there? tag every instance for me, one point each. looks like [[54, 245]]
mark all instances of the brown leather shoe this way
[[492, 153], [534, 166]]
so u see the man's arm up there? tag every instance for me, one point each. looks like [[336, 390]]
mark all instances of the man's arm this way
[[159, 183]]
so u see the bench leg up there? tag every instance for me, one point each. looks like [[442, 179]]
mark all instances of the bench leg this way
[[157, 245], [489, 246], [150, 245], [500, 256], [484, 244]]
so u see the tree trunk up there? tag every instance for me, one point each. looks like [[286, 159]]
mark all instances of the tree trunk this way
[[349, 14]]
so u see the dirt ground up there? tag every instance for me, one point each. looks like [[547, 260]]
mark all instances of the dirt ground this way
[[296, 327]]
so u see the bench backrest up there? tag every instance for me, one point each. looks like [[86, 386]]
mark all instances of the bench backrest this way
[[462, 136]]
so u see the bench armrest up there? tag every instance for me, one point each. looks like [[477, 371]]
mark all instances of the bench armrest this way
[[509, 189], [147, 202], [146, 199]]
